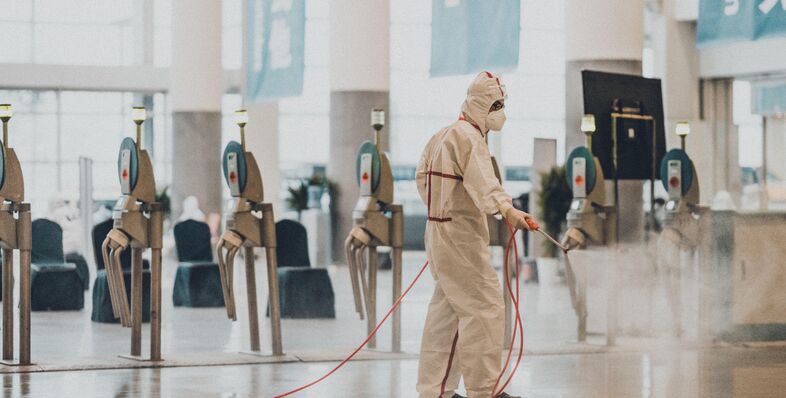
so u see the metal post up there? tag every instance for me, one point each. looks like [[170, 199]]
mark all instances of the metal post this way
[[155, 305], [8, 304], [251, 293], [86, 204], [764, 195], [156, 244], [24, 307], [706, 304], [275, 305], [136, 301], [397, 269], [372, 292], [397, 245], [509, 318], [25, 244], [611, 278], [139, 136]]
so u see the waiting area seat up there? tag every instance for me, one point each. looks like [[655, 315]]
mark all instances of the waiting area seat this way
[[304, 292], [198, 280], [54, 284], [81, 268], [102, 303]]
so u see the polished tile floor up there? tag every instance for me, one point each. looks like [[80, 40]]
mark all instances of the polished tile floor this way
[[664, 368], [717, 373]]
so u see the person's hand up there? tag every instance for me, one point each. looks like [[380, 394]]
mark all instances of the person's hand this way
[[520, 220]]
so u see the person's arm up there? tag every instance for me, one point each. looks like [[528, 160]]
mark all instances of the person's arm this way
[[484, 188], [481, 183]]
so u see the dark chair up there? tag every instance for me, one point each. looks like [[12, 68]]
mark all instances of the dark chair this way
[[292, 244], [81, 268], [54, 284], [102, 304], [304, 292], [197, 281]]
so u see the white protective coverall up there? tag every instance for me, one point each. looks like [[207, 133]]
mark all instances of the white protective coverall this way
[[466, 317]]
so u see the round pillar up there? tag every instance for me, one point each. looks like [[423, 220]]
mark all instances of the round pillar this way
[[359, 82], [196, 88]]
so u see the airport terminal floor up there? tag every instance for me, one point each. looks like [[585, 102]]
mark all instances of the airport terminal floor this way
[[236, 198], [197, 341]]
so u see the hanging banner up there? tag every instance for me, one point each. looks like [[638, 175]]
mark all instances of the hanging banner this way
[[768, 98], [469, 36], [275, 49], [739, 20]]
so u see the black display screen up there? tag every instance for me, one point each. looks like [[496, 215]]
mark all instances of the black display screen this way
[[637, 141]]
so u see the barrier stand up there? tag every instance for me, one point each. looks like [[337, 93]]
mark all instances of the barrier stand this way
[[15, 234], [250, 224], [377, 222], [138, 224]]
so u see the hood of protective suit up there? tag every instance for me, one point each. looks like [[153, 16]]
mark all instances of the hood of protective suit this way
[[484, 91]]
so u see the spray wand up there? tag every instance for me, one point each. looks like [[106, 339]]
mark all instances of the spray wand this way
[[535, 227]]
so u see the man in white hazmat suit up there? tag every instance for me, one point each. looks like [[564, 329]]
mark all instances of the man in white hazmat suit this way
[[466, 317]]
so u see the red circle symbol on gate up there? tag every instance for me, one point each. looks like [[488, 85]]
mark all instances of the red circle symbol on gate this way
[[674, 182], [124, 174], [579, 180], [232, 177], [364, 177]]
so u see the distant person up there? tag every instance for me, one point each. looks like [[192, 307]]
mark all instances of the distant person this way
[[191, 210], [464, 330]]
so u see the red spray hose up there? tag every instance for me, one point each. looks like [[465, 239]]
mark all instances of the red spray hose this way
[[519, 325], [363, 344]]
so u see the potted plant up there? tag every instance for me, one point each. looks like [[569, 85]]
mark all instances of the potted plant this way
[[553, 202], [316, 188], [298, 198], [162, 197]]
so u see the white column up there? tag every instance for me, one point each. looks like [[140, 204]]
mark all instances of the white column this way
[[602, 35], [262, 141], [604, 30], [360, 45], [196, 88], [359, 82], [262, 135], [196, 74]]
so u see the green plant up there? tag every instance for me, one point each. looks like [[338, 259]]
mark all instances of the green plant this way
[[553, 202], [317, 179], [298, 197], [162, 197]]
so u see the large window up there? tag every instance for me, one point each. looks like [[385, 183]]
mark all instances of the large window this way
[[71, 32], [51, 130]]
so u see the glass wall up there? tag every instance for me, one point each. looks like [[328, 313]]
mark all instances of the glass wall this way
[[51, 130], [105, 32]]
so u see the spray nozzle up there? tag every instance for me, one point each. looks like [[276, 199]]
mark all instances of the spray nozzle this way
[[535, 227]]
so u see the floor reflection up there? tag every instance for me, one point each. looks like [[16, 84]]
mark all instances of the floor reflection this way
[[716, 373]]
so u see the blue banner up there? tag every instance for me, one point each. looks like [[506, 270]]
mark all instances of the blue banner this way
[[469, 36], [739, 20], [768, 99], [275, 49]]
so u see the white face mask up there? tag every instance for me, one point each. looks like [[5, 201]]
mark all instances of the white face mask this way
[[496, 120]]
